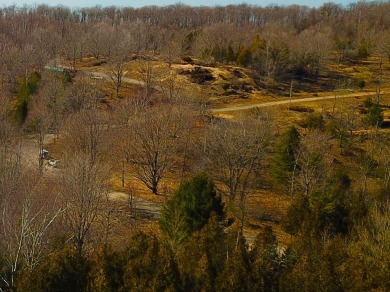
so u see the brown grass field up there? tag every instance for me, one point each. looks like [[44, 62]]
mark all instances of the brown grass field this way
[[232, 86]]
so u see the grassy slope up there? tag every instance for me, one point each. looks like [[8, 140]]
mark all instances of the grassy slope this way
[[234, 86]]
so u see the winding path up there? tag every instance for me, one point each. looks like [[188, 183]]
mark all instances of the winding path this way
[[287, 101], [249, 106]]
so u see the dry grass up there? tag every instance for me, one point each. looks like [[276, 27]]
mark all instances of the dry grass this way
[[265, 207]]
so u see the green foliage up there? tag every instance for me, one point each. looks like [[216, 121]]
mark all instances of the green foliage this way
[[205, 53], [65, 270], [344, 46], [296, 214], [257, 46], [190, 208], [284, 158], [364, 48], [236, 272], [219, 54], [107, 269], [267, 264], [203, 258], [304, 64], [230, 55], [316, 266], [26, 88], [280, 54], [270, 59], [313, 121], [216, 52], [360, 83], [188, 41], [150, 266], [65, 77], [244, 57], [374, 113], [326, 211], [22, 111], [367, 265], [335, 128]]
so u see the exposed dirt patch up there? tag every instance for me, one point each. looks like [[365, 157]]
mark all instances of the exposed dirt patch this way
[[198, 75]]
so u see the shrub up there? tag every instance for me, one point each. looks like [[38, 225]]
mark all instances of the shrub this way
[[313, 121]]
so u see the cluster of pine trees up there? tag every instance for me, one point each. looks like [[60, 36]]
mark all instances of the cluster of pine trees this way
[[339, 244]]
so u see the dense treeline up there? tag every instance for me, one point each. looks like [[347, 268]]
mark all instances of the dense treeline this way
[[181, 16], [275, 41]]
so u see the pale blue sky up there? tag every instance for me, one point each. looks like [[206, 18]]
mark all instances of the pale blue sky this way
[[140, 3]]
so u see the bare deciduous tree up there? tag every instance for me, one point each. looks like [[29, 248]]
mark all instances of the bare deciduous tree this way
[[312, 163], [148, 77], [84, 180], [82, 191], [153, 140], [38, 123], [116, 63], [234, 150], [27, 216]]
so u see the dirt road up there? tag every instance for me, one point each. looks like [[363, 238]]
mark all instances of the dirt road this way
[[287, 101], [139, 205], [96, 74], [249, 106], [101, 75], [30, 153]]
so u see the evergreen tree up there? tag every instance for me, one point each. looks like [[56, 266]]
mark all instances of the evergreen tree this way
[[203, 258], [256, 48], [267, 264], [328, 211], [316, 266], [236, 273], [190, 209], [313, 121], [27, 87], [284, 158], [65, 270], [374, 113], [107, 270], [150, 266], [230, 55], [244, 57]]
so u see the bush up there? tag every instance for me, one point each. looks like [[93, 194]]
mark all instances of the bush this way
[[360, 83], [374, 113], [313, 121], [64, 270], [301, 109]]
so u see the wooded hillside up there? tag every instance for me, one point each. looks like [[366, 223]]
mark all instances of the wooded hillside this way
[[235, 148]]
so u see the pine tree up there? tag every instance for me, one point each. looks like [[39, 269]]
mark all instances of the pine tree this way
[[150, 266], [244, 57], [284, 158], [203, 258], [190, 209], [236, 273], [267, 264]]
